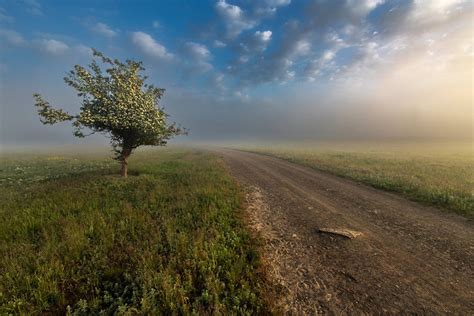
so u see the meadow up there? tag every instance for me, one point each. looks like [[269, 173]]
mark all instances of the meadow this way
[[439, 174], [77, 239]]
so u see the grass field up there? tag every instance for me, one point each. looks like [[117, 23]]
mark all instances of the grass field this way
[[77, 239], [439, 174]]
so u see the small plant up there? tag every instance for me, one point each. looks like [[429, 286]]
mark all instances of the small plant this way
[[118, 104]]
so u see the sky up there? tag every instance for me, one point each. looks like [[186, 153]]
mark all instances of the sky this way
[[252, 70]]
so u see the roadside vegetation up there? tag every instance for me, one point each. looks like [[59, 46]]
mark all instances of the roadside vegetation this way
[[76, 238], [435, 174]]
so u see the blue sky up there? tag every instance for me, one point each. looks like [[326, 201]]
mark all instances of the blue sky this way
[[252, 69]]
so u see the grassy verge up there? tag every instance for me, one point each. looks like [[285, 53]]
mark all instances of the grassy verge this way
[[435, 175], [168, 240]]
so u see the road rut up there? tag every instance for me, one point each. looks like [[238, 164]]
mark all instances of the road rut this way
[[411, 258]]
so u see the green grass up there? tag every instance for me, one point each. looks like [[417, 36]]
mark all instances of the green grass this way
[[75, 238], [435, 174]]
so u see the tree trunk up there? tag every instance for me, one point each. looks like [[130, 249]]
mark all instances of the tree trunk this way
[[124, 169], [124, 159]]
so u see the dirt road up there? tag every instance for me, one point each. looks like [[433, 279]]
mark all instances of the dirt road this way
[[410, 258]]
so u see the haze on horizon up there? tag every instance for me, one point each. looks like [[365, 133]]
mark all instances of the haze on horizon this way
[[253, 70]]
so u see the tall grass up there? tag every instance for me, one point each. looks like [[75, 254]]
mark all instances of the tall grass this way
[[437, 174], [168, 240]]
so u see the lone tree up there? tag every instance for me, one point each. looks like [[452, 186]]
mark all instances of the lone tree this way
[[118, 104]]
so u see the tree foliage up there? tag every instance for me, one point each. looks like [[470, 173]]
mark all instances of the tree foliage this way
[[116, 102]]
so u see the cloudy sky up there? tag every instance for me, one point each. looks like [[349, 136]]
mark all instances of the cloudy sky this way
[[253, 70]]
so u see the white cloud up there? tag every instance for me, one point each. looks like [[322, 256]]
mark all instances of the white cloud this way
[[53, 47], [219, 44], [277, 3], [259, 42], [104, 30], [229, 11], [251, 47], [421, 16], [198, 51], [12, 37], [319, 65], [199, 56], [243, 59], [290, 75], [433, 10], [234, 18], [328, 55], [363, 7], [267, 8], [264, 36], [149, 46], [302, 47], [438, 6]]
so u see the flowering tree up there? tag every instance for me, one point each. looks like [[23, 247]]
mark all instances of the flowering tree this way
[[117, 103]]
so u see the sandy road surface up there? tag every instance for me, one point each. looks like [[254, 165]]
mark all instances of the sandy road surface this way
[[410, 259]]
